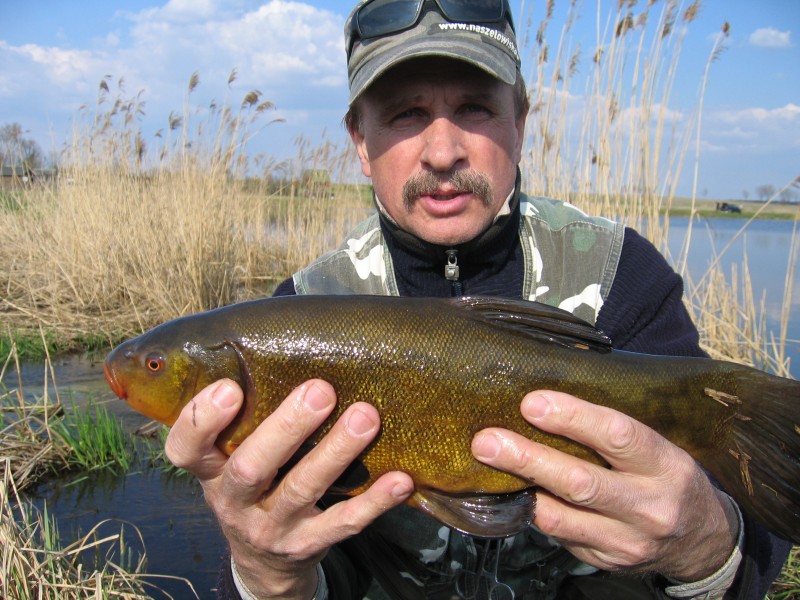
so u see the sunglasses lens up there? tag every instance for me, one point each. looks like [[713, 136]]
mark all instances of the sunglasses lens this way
[[472, 11], [387, 16], [377, 18]]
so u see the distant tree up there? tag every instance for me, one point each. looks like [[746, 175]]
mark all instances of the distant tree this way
[[745, 194], [765, 192], [787, 196], [18, 151]]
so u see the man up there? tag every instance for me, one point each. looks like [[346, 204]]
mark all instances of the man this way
[[437, 114]]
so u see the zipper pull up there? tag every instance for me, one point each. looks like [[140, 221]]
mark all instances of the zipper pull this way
[[452, 272]]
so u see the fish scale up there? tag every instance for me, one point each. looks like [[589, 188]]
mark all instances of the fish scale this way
[[440, 370]]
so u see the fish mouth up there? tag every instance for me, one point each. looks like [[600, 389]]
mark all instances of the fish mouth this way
[[115, 385]]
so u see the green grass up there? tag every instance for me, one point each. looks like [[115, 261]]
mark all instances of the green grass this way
[[154, 437], [10, 201], [787, 585], [95, 438]]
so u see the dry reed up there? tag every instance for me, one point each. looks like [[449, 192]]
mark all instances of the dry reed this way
[[27, 445], [126, 237], [614, 147], [35, 564]]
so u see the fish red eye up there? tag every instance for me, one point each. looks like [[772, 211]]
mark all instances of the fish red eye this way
[[154, 362]]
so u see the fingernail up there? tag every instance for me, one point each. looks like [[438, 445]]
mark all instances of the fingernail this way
[[315, 398], [402, 490], [535, 406], [359, 423], [486, 445], [224, 395]]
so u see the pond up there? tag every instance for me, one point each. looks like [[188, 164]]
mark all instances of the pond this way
[[180, 535], [767, 246]]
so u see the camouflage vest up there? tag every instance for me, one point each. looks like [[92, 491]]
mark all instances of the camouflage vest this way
[[570, 259], [570, 262]]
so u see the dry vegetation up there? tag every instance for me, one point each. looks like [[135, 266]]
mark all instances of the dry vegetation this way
[[136, 232], [119, 243], [37, 565], [106, 562], [614, 148]]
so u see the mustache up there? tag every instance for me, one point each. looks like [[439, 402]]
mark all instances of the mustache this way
[[463, 180]]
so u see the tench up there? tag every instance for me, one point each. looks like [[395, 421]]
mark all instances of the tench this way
[[440, 370]]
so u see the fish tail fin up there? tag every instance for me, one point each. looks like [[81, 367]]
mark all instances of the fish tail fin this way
[[760, 467]]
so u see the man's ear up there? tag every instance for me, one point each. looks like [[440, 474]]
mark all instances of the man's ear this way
[[352, 121], [519, 124], [361, 148]]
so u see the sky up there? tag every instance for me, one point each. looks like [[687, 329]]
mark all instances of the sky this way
[[54, 54]]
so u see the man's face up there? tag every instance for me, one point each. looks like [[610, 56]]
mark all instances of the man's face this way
[[448, 135]]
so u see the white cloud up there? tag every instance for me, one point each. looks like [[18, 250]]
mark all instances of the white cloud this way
[[769, 37], [782, 114], [268, 44], [288, 50], [754, 132]]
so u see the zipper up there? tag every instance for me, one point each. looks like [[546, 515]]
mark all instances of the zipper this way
[[452, 273]]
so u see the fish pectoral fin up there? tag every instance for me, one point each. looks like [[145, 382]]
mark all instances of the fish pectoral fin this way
[[538, 321], [481, 515]]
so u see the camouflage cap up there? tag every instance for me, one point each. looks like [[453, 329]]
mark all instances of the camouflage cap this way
[[489, 46]]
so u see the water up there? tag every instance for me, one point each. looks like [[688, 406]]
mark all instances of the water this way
[[179, 533], [181, 536], [766, 245]]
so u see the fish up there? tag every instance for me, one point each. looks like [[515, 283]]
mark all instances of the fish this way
[[439, 370]]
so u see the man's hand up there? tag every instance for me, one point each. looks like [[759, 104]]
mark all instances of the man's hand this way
[[653, 510], [276, 534]]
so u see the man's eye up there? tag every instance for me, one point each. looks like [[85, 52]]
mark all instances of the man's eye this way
[[406, 114], [476, 108]]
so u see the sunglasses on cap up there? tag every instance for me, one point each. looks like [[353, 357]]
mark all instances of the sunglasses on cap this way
[[377, 18]]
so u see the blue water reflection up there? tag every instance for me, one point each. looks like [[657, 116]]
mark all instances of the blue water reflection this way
[[181, 537], [766, 245]]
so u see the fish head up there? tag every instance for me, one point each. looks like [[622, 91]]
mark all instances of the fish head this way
[[158, 373]]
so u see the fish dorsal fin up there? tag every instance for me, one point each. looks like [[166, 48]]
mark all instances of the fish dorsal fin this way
[[482, 515], [539, 321]]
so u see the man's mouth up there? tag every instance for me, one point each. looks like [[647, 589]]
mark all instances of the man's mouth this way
[[442, 197], [459, 183]]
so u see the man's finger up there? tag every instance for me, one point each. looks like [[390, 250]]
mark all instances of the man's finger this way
[[619, 439], [190, 443], [351, 516], [252, 468], [575, 480], [306, 483]]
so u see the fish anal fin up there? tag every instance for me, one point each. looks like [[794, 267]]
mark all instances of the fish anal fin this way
[[538, 321], [481, 515]]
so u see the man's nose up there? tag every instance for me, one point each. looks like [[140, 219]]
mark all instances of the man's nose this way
[[443, 145]]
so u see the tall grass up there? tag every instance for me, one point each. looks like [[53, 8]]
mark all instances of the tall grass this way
[[27, 445], [96, 439], [787, 586], [129, 235], [605, 134]]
